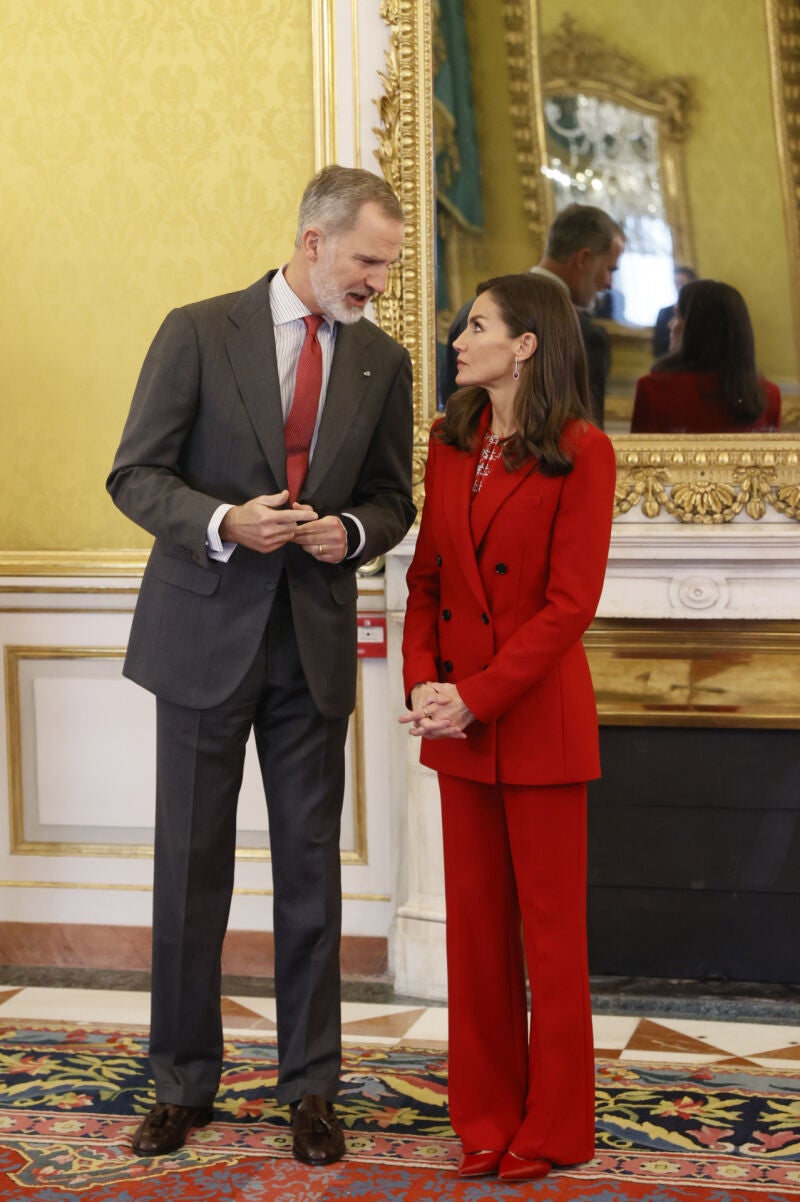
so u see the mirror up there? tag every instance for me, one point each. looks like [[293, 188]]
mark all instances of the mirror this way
[[722, 476], [615, 137]]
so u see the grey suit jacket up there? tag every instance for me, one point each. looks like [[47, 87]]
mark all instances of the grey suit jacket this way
[[206, 427]]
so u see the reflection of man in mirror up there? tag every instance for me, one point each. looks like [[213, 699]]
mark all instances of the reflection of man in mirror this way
[[683, 275], [581, 253]]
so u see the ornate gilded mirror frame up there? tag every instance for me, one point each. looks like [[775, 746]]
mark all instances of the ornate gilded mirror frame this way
[[575, 61], [698, 479]]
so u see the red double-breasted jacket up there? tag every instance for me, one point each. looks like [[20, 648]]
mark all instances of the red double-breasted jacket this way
[[500, 594]]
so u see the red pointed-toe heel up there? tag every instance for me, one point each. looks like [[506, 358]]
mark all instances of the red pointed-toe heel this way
[[478, 1164], [517, 1168]]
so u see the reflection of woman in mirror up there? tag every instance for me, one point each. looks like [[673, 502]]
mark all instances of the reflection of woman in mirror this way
[[505, 578], [708, 382]]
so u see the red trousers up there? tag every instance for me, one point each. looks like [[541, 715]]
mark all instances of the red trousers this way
[[515, 886]]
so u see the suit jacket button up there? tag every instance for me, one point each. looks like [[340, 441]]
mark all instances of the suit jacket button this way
[[438, 561], [485, 619], [448, 665], [446, 615], [501, 568]]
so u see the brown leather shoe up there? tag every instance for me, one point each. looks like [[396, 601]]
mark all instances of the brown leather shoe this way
[[165, 1128], [318, 1136]]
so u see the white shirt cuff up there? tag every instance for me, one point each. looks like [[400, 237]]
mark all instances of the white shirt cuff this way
[[362, 533], [215, 547]]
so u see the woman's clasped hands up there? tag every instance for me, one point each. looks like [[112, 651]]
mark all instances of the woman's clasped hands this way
[[437, 712]]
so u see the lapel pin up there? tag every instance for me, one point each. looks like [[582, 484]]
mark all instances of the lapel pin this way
[[366, 373]]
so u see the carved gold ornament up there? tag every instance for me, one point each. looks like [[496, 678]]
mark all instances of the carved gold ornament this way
[[704, 479]]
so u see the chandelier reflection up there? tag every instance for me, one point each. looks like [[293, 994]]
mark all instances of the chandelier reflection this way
[[606, 154]]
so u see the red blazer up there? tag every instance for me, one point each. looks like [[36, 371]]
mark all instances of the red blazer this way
[[501, 614], [672, 402]]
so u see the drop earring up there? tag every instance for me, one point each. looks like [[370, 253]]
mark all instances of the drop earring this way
[[516, 368]]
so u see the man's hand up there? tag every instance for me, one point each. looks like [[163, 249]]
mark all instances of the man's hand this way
[[325, 539], [437, 712], [262, 524]]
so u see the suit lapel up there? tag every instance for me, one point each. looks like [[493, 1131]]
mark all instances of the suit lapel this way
[[251, 349], [456, 492], [495, 491]]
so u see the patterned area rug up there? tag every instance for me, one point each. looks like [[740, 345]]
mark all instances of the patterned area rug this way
[[664, 1133]]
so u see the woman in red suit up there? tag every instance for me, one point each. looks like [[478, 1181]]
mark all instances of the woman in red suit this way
[[506, 577], [708, 383]]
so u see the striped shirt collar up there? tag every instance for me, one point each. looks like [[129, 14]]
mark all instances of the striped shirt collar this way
[[551, 275], [285, 304]]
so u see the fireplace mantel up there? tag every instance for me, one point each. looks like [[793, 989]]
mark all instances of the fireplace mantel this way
[[737, 573]]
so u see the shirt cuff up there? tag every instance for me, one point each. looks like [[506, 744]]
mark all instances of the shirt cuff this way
[[353, 535], [215, 547]]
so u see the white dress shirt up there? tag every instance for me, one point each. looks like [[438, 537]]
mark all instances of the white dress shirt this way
[[287, 312]]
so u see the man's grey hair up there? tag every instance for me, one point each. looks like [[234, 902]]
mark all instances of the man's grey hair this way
[[578, 226], [333, 200]]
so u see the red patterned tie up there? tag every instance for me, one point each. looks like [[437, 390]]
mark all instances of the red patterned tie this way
[[299, 428]]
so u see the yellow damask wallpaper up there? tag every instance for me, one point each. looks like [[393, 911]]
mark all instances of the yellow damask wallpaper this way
[[153, 153], [731, 155]]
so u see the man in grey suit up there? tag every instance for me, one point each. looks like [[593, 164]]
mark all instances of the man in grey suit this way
[[246, 619]]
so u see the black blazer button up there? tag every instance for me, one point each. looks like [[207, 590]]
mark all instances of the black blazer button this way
[[438, 561], [485, 619], [446, 615], [448, 665], [501, 568]]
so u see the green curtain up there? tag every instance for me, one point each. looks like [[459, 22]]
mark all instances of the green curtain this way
[[458, 169]]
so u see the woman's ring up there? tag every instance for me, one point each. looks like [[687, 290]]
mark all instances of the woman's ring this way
[[425, 714], [319, 548]]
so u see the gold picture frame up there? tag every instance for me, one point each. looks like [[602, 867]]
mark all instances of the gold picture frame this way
[[693, 480]]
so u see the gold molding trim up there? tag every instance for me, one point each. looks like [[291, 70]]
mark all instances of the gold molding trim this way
[[707, 479], [696, 673], [66, 590], [66, 609], [354, 44], [574, 60], [783, 33], [521, 21], [128, 562], [324, 74], [115, 887], [405, 154], [20, 845]]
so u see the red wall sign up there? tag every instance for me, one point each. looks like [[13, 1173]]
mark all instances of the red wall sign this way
[[371, 636]]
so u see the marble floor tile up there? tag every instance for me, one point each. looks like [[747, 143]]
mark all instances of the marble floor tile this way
[[738, 1039], [612, 1032], [78, 1006], [392, 1026], [624, 1037], [430, 1029], [263, 1007]]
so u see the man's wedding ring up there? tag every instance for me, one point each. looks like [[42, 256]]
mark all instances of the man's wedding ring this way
[[319, 548], [425, 714]]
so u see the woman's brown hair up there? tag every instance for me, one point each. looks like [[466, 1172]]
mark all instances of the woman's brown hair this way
[[553, 383], [717, 336]]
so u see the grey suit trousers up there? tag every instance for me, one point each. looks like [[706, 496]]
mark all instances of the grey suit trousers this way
[[200, 761]]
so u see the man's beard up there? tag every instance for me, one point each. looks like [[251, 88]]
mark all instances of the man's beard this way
[[330, 296]]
